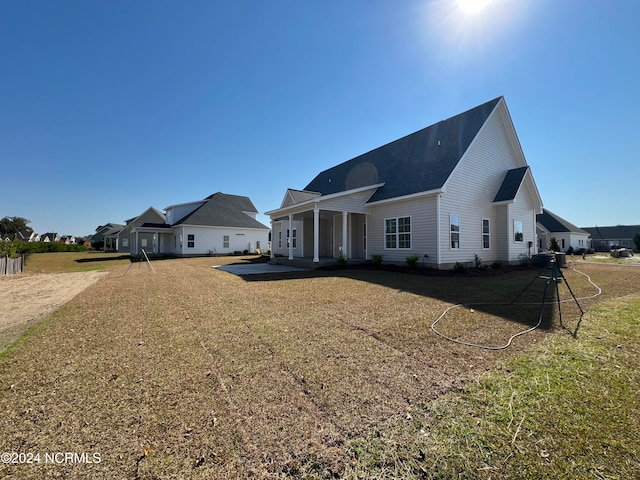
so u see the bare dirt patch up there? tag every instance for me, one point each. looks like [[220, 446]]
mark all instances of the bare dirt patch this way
[[27, 299]]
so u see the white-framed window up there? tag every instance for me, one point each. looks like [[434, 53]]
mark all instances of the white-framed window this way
[[125, 242], [518, 231], [225, 241], [191, 240], [280, 239], [486, 233], [397, 233], [292, 238], [454, 229]]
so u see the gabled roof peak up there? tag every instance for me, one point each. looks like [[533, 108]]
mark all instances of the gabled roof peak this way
[[430, 155]]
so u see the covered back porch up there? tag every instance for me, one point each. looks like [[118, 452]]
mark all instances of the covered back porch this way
[[322, 228]]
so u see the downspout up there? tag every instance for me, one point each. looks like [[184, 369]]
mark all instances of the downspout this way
[[438, 229], [509, 232]]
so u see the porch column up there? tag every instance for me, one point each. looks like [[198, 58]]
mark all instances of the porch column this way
[[290, 237], [344, 234], [272, 255], [316, 234]]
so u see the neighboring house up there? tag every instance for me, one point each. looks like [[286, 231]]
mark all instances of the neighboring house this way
[[603, 238], [24, 236], [98, 238], [49, 237], [566, 233], [68, 239], [220, 223], [446, 193], [144, 232]]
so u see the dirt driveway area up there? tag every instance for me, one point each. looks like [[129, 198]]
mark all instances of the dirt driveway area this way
[[27, 299]]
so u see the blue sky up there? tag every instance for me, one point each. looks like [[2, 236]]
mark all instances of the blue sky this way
[[109, 107]]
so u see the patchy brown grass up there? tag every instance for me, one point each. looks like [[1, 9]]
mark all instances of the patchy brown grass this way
[[195, 373]]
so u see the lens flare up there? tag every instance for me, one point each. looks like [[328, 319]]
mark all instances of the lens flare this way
[[472, 6]]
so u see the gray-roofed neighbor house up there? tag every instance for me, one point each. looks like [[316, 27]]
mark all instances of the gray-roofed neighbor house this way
[[220, 223], [456, 189], [604, 238], [569, 236], [223, 210]]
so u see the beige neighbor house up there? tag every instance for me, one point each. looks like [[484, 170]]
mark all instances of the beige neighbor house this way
[[455, 192], [219, 224]]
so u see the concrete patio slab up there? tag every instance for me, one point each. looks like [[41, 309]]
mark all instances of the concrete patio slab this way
[[258, 268]]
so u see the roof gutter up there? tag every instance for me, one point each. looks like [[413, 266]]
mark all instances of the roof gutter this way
[[411, 196]]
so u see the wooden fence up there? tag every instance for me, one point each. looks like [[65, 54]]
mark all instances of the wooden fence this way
[[10, 266]]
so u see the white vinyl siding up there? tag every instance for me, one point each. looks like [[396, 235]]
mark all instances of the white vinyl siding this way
[[423, 229], [470, 191], [216, 239], [522, 209]]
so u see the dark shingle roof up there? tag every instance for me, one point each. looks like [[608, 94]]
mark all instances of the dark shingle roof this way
[[617, 232], [419, 162], [510, 184], [223, 210], [554, 223]]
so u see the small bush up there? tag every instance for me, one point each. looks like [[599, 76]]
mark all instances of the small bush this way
[[342, 260], [496, 264], [554, 246], [412, 260], [376, 258], [459, 267]]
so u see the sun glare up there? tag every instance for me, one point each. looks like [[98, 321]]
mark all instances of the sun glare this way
[[472, 6]]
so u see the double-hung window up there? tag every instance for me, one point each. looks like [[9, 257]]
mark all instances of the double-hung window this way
[[454, 228], [486, 234], [397, 232], [225, 241], [191, 240]]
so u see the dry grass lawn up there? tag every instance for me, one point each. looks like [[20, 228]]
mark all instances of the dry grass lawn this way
[[196, 373]]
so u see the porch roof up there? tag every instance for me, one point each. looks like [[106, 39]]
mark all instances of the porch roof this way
[[311, 203]]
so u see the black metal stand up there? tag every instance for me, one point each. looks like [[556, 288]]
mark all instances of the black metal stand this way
[[556, 277]]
